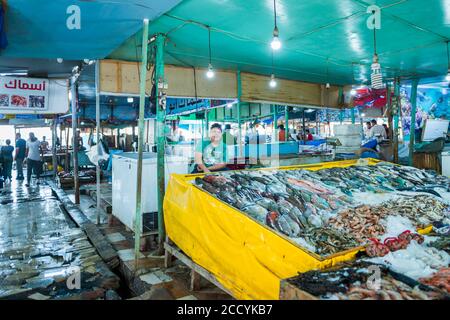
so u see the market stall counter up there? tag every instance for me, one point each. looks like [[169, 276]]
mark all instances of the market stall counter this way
[[252, 229]]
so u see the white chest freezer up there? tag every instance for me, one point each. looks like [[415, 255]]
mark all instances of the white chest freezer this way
[[124, 178], [445, 156]]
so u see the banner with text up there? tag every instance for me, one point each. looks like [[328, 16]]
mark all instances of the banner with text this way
[[23, 94]]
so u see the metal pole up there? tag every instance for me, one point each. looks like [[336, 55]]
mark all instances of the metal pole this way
[[304, 127], [160, 119], [396, 108], [238, 106], [274, 109], [75, 140], [286, 120], [143, 78], [54, 134], [412, 131], [97, 129]]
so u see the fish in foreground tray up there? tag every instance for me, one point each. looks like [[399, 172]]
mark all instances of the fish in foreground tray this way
[[329, 241], [355, 282]]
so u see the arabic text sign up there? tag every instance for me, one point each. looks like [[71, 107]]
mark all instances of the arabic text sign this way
[[22, 94]]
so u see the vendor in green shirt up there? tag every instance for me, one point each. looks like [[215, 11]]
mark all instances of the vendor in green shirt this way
[[210, 155]]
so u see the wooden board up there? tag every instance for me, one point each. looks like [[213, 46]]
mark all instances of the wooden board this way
[[122, 77], [181, 83], [255, 88]]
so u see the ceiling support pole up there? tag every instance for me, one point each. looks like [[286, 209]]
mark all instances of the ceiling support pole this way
[[286, 122], [54, 150], [412, 131], [97, 134], [238, 106], [75, 138], [142, 85], [396, 112], [160, 123]]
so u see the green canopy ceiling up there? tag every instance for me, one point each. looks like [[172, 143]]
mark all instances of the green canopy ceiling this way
[[314, 34]]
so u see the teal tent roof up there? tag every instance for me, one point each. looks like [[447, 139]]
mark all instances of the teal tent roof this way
[[314, 34], [37, 28]]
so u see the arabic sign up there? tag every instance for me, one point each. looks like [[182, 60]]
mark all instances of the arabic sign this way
[[22, 94]]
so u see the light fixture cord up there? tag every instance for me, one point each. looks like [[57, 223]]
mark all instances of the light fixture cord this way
[[209, 43], [374, 34], [272, 63], [275, 12]]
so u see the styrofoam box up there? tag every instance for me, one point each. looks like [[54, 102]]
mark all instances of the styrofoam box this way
[[350, 140], [347, 129]]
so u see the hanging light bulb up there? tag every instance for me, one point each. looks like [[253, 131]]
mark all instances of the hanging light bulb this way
[[276, 43], [376, 77], [447, 77], [327, 86], [353, 92], [210, 72], [273, 82]]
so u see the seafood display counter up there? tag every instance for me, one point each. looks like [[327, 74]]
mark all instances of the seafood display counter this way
[[252, 229]]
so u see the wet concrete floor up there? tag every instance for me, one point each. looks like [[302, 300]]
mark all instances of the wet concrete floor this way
[[42, 253]]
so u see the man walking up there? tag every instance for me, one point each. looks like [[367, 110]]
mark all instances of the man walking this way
[[21, 146], [7, 155], [33, 154]]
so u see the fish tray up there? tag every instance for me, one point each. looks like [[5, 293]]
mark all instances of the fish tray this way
[[248, 258], [289, 290]]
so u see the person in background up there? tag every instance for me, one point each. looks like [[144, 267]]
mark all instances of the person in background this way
[[281, 133], [387, 130], [21, 146], [7, 156], [367, 129], [33, 154], [44, 145], [79, 140], [377, 131], [228, 138], [210, 155], [309, 136]]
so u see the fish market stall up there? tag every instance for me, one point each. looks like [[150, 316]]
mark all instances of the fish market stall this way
[[252, 229]]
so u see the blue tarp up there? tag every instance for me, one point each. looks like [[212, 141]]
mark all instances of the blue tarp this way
[[3, 40], [41, 28]]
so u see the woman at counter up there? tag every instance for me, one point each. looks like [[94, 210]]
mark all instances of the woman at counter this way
[[210, 155]]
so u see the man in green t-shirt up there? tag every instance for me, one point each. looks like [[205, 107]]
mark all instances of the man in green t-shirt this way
[[210, 155]]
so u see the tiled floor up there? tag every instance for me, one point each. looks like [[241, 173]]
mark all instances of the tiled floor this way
[[40, 249], [151, 280]]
